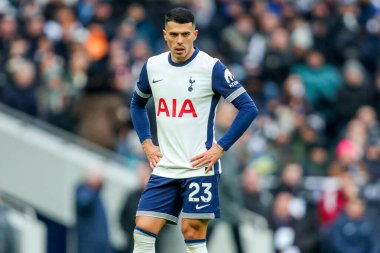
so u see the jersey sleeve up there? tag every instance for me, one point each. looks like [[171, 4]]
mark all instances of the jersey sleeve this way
[[143, 88], [224, 83], [138, 111]]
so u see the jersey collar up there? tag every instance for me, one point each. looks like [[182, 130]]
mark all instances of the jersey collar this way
[[180, 64]]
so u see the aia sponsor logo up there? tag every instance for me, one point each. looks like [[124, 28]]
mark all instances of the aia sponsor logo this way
[[178, 109]]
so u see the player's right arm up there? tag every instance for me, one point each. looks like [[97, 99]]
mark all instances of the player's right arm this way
[[140, 119]]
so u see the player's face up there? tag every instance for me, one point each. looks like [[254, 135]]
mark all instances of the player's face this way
[[180, 39]]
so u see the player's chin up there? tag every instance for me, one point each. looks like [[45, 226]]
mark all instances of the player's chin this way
[[179, 56]]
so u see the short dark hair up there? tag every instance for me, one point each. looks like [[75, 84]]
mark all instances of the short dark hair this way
[[180, 15]]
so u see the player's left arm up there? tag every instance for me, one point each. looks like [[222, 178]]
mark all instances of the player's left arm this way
[[247, 112], [224, 83]]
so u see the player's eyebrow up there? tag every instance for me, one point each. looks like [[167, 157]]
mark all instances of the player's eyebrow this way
[[176, 33]]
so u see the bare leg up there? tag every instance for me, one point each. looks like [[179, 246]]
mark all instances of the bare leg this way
[[146, 231], [194, 232]]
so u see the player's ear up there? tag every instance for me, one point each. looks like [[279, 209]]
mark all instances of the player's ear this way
[[195, 34], [164, 33]]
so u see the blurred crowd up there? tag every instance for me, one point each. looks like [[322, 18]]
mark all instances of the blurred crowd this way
[[311, 66]]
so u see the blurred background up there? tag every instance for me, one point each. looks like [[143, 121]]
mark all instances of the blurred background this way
[[304, 178]]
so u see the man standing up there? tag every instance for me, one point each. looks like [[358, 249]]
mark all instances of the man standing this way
[[92, 227], [186, 85]]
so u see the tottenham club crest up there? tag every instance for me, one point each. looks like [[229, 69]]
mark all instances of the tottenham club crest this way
[[191, 81], [230, 78]]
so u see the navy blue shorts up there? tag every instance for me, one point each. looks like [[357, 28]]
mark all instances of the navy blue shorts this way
[[164, 198]]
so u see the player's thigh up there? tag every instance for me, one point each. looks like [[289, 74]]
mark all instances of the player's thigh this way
[[161, 199], [200, 198], [150, 224]]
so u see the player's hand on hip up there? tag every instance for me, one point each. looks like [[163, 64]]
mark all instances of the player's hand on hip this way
[[152, 152], [209, 158]]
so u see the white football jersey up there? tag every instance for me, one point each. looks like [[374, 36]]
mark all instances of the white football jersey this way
[[186, 97]]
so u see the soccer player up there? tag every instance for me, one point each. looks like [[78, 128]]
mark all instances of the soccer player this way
[[186, 85]]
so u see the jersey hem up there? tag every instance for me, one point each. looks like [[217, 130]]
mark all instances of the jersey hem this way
[[164, 173]]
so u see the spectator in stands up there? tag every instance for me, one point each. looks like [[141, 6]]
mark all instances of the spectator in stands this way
[[145, 30], [119, 63], [64, 28], [292, 181], [19, 47], [371, 195], [348, 161], [293, 95], [75, 75], [335, 192], [209, 22], [96, 43], [126, 34], [353, 94], [256, 198], [53, 95], [352, 232], [85, 10], [372, 161], [92, 226], [8, 31], [356, 132], [235, 38], [34, 31], [321, 82], [255, 52], [140, 52], [291, 232], [316, 158], [295, 117], [367, 115], [301, 38], [345, 41], [278, 58], [322, 23], [103, 16], [20, 92]]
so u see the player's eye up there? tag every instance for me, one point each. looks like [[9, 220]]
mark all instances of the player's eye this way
[[173, 35], [186, 34]]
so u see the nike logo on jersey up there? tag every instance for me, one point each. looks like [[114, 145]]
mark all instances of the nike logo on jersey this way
[[156, 81], [200, 207]]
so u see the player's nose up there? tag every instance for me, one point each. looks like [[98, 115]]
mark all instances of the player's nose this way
[[180, 39]]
